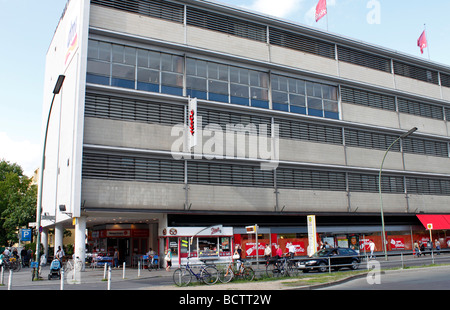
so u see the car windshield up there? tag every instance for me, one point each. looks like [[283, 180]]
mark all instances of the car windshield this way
[[322, 253]]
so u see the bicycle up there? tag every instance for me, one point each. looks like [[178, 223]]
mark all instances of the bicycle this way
[[182, 276], [282, 267], [12, 263], [229, 273]]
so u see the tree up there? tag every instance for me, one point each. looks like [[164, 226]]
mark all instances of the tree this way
[[17, 201]]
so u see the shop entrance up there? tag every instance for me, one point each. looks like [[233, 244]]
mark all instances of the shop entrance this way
[[122, 245]]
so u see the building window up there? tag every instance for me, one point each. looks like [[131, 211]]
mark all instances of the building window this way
[[304, 97]]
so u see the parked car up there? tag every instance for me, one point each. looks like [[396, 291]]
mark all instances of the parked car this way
[[336, 257]]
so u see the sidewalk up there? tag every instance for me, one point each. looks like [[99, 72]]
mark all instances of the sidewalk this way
[[89, 275]]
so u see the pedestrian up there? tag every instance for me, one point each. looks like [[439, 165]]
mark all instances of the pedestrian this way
[[267, 252], [116, 258], [60, 254], [237, 256], [372, 248], [291, 248], [437, 244], [416, 248], [422, 248], [168, 259]]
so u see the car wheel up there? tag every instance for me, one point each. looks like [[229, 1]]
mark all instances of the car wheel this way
[[355, 264], [323, 267]]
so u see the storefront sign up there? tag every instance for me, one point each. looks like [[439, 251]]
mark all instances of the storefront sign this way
[[118, 233], [397, 243], [250, 248]]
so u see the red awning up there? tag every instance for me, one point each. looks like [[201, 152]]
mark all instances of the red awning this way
[[439, 221]]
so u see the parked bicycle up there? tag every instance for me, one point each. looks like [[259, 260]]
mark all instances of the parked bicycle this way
[[283, 267], [208, 274], [12, 263], [230, 272]]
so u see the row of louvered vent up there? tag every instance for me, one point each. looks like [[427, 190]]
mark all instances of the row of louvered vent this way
[[143, 169], [242, 28], [127, 109]]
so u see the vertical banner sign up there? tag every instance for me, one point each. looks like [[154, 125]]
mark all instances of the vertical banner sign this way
[[192, 119], [312, 237]]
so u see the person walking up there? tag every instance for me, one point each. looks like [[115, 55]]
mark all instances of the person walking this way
[[168, 259], [372, 248]]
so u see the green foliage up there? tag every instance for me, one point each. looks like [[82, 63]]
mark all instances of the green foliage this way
[[17, 201]]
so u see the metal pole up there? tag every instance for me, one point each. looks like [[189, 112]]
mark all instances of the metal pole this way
[[10, 279], [379, 186], [56, 91]]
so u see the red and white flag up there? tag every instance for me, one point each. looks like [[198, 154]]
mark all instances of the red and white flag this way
[[422, 42], [321, 9]]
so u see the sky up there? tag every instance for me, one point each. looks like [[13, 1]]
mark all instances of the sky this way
[[27, 28]]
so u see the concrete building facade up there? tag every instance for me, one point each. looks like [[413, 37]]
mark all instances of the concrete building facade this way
[[118, 165]]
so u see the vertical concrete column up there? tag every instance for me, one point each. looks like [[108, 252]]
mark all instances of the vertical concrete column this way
[[44, 241], [59, 235], [80, 239]]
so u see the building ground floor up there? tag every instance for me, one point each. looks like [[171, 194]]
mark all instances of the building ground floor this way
[[130, 238]]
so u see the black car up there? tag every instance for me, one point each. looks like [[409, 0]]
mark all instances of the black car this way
[[334, 257]]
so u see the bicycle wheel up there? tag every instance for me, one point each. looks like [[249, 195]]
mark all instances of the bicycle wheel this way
[[182, 277], [272, 271], [226, 275], [209, 275], [292, 269], [249, 274]]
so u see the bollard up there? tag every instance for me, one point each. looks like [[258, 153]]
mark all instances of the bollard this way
[[123, 275], [1, 277], [139, 269], [10, 280], [109, 278], [403, 265], [104, 270], [62, 280]]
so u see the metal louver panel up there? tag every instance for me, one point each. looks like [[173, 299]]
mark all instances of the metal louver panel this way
[[428, 186], [445, 79], [129, 168], [103, 106], [369, 183], [308, 131], [366, 98], [364, 59], [419, 108], [425, 147], [370, 140], [415, 72], [154, 8], [310, 179], [301, 43], [226, 24], [212, 173]]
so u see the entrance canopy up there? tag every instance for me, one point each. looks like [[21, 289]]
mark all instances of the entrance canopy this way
[[439, 221]]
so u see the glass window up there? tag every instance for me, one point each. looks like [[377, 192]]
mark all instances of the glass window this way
[[208, 247]]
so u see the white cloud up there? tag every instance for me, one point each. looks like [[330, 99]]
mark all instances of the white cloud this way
[[278, 8], [24, 153]]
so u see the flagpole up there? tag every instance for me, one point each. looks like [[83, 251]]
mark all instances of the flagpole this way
[[428, 44]]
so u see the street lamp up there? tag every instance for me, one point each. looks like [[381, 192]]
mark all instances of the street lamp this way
[[403, 136], [56, 91]]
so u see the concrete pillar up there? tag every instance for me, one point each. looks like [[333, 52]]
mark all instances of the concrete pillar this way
[[59, 235], [44, 241], [80, 239]]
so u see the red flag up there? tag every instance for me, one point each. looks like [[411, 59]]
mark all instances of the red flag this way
[[321, 9], [422, 42]]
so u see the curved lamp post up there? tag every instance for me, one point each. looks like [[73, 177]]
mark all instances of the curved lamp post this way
[[56, 91], [403, 136]]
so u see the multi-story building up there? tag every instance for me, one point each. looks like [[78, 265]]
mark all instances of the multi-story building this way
[[118, 165]]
